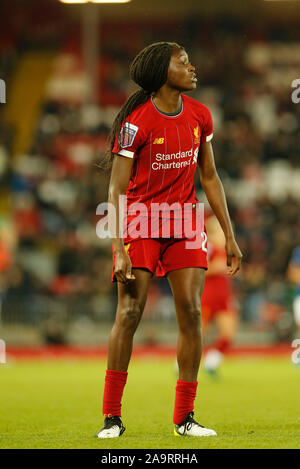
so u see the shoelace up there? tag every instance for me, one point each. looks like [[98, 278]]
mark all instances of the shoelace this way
[[190, 421]]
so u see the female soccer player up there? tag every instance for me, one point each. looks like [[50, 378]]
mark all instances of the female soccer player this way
[[158, 138]]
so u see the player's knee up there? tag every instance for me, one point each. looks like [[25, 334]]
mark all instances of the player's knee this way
[[129, 316], [192, 319]]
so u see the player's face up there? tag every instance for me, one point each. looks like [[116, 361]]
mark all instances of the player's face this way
[[181, 74]]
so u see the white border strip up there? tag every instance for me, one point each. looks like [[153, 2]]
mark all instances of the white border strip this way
[[127, 153]]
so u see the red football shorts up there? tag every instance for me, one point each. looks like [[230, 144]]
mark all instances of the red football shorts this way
[[217, 297], [162, 255]]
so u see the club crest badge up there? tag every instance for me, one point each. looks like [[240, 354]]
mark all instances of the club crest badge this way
[[196, 135]]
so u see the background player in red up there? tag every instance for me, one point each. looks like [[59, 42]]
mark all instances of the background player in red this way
[[218, 304], [158, 139], [293, 274]]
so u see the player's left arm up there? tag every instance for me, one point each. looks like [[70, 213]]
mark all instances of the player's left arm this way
[[213, 188]]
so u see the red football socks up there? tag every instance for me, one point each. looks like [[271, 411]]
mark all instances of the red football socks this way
[[113, 391], [222, 345], [184, 399]]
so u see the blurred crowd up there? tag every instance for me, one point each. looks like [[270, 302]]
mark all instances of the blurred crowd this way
[[52, 263]]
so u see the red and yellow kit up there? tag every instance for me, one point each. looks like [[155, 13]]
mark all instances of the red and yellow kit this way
[[165, 149]]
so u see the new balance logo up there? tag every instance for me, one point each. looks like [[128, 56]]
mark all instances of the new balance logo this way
[[158, 141]]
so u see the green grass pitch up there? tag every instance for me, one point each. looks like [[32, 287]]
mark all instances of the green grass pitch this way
[[57, 404]]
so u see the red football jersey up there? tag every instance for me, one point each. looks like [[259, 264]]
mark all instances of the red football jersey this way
[[165, 152]]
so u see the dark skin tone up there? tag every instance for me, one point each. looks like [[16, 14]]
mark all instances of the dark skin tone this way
[[186, 284]]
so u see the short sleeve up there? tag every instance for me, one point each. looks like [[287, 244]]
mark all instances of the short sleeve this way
[[129, 140], [207, 131]]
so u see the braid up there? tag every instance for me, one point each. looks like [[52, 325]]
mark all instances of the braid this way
[[149, 70]]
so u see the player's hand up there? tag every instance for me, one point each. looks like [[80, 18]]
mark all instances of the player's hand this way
[[234, 256], [123, 268]]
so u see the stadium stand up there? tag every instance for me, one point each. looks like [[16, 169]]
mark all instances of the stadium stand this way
[[55, 272]]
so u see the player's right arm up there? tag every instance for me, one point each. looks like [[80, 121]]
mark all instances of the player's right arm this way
[[119, 180]]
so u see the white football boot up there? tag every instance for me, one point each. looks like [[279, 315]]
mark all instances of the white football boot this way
[[189, 427], [112, 428]]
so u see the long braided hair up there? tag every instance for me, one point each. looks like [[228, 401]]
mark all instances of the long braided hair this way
[[149, 70]]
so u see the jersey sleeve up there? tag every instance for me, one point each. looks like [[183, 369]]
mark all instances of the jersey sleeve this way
[[129, 140], [207, 130]]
